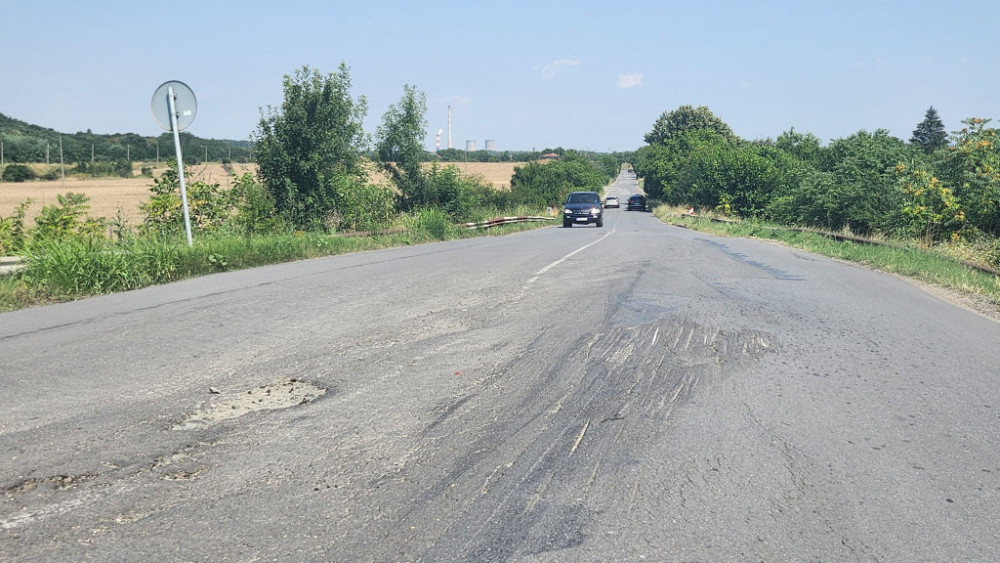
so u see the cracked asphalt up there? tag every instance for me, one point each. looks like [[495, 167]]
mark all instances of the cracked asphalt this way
[[632, 392]]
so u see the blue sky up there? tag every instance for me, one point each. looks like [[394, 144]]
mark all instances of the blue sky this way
[[583, 74]]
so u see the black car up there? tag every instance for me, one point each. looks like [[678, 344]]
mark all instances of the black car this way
[[583, 208], [636, 201]]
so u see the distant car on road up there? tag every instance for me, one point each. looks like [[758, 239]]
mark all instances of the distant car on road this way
[[583, 208], [611, 201], [636, 201]]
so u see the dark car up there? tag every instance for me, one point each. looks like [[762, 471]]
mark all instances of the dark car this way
[[583, 208], [636, 201]]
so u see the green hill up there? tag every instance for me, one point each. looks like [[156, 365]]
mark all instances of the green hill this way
[[24, 142]]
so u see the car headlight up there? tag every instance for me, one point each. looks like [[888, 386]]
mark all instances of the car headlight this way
[[567, 211], [595, 211]]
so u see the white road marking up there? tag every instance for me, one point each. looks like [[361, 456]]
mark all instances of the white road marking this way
[[541, 272]]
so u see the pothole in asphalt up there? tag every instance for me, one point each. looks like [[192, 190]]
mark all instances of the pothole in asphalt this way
[[282, 394]]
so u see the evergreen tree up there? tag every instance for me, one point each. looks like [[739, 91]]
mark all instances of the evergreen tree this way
[[930, 134]]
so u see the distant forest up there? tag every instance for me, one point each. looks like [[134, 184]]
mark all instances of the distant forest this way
[[23, 142]]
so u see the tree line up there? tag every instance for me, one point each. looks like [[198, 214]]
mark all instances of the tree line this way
[[934, 187]]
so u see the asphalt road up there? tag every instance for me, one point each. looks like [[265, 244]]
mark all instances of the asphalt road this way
[[625, 393]]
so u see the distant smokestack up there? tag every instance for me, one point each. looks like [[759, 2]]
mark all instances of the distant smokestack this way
[[437, 140], [449, 127]]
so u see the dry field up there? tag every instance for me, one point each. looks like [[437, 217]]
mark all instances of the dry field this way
[[108, 195], [496, 173]]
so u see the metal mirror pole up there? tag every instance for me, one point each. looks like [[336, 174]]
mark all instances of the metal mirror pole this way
[[180, 163]]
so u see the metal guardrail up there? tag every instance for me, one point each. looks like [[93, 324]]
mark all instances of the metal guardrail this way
[[506, 221], [10, 264]]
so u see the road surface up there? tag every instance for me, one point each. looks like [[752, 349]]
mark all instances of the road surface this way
[[625, 393]]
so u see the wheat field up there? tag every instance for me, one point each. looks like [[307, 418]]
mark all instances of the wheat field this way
[[109, 195]]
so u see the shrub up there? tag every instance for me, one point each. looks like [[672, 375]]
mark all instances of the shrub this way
[[255, 211], [366, 207], [51, 174], [208, 206], [67, 220], [17, 173], [434, 222], [12, 231]]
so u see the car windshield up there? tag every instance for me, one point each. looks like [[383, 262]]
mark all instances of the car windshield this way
[[583, 198]]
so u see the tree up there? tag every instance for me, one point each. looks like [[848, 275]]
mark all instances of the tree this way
[[666, 167], [972, 169], [399, 151], [931, 207], [684, 119], [540, 184], [930, 134], [804, 146], [863, 180], [310, 149]]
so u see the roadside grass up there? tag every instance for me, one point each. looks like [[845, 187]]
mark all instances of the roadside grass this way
[[903, 258], [74, 269]]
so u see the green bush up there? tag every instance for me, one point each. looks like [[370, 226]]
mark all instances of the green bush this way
[[209, 206], [17, 173], [68, 219], [434, 222], [366, 207], [13, 235], [255, 211], [51, 174], [120, 168]]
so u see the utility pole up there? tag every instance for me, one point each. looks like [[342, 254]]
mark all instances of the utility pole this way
[[62, 164]]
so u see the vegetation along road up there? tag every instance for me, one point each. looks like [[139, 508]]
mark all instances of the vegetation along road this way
[[630, 392]]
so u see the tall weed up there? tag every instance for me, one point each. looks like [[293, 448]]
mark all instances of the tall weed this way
[[77, 267]]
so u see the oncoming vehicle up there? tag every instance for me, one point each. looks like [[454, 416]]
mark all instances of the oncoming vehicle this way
[[583, 208], [636, 201], [611, 201]]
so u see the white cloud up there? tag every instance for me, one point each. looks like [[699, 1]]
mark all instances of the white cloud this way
[[629, 80], [550, 70]]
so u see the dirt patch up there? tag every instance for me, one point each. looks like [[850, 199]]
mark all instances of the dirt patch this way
[[281, 394]]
